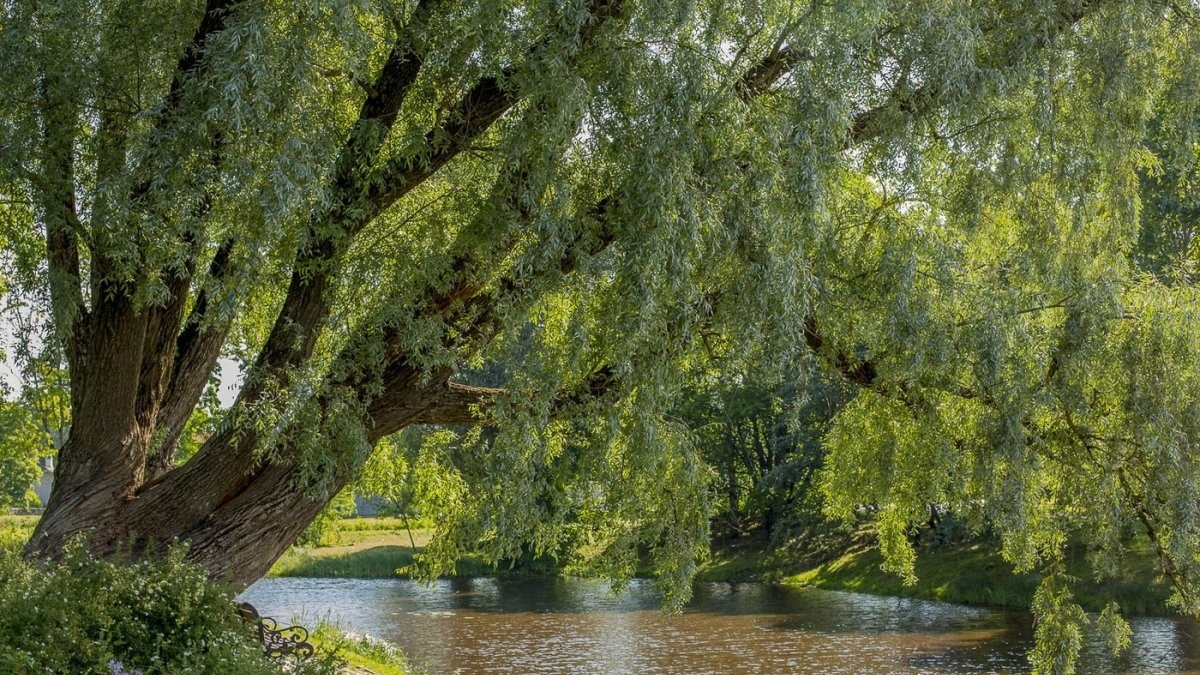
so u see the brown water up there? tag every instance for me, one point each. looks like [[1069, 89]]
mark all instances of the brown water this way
[[578, 626]]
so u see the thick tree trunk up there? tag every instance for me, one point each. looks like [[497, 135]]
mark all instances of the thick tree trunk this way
[[236, 515], [235, 522]]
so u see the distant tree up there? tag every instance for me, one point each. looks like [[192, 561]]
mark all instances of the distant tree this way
[[764, 444], [21, 445]]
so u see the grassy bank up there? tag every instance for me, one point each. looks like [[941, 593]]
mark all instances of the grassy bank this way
[[362, 654], [364, 548], [974, 575], [977, 575]]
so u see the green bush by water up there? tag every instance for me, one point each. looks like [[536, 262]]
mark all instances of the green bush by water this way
[[362, 652], [83, 615]]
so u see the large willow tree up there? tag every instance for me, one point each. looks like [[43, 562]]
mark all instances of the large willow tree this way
[[361, 200]]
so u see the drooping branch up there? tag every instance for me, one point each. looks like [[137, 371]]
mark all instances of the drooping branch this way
[[55, 193], [911, 104]]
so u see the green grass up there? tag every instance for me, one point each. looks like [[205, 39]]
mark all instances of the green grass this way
[[745, 563], [361, 653], [19, 521], [977, 575], [16, 530], [365, 548], [364, 561], [369, 524]]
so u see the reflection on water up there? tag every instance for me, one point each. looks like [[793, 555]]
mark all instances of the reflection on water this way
[[578, 626]]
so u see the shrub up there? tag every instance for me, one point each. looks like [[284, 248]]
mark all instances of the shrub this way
[[82, 615]]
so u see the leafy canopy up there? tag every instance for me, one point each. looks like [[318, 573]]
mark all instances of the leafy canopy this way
[[940, 200]]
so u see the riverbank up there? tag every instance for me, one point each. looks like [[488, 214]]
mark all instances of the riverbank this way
[[365, 548], [363, 654], [971, 574], [374, 548]]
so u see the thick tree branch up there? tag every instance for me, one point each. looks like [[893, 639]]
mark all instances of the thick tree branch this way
[[760, 78], [469, 299], [860, 372], [305, 308], [485, 103], [458, 404], [381, 108], [216, 14], [55, 194], [195, 354], [153, 328]]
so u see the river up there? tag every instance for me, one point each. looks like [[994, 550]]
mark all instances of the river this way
[[489, 625]]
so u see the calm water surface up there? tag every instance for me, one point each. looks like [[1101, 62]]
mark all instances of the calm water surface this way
[[578, 626]]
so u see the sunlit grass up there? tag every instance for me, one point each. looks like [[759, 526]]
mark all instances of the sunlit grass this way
[[16, 530], [361, 652], [977, 575], [374, 549]]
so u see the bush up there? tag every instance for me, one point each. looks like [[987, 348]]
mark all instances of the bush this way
[[82, 615]]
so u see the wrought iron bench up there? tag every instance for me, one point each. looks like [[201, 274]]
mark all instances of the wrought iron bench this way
[[277, 641]]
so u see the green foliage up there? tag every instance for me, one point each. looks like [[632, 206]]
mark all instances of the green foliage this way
[[32, 425], [1059, 632], [22, 443], [764, 445], [960, 207], [1114, 627], [79, 614]]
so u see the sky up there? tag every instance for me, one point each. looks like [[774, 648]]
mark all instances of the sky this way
[[11, 380]]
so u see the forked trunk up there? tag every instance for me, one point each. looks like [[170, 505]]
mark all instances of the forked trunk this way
[[236, 512], [237, 536]]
